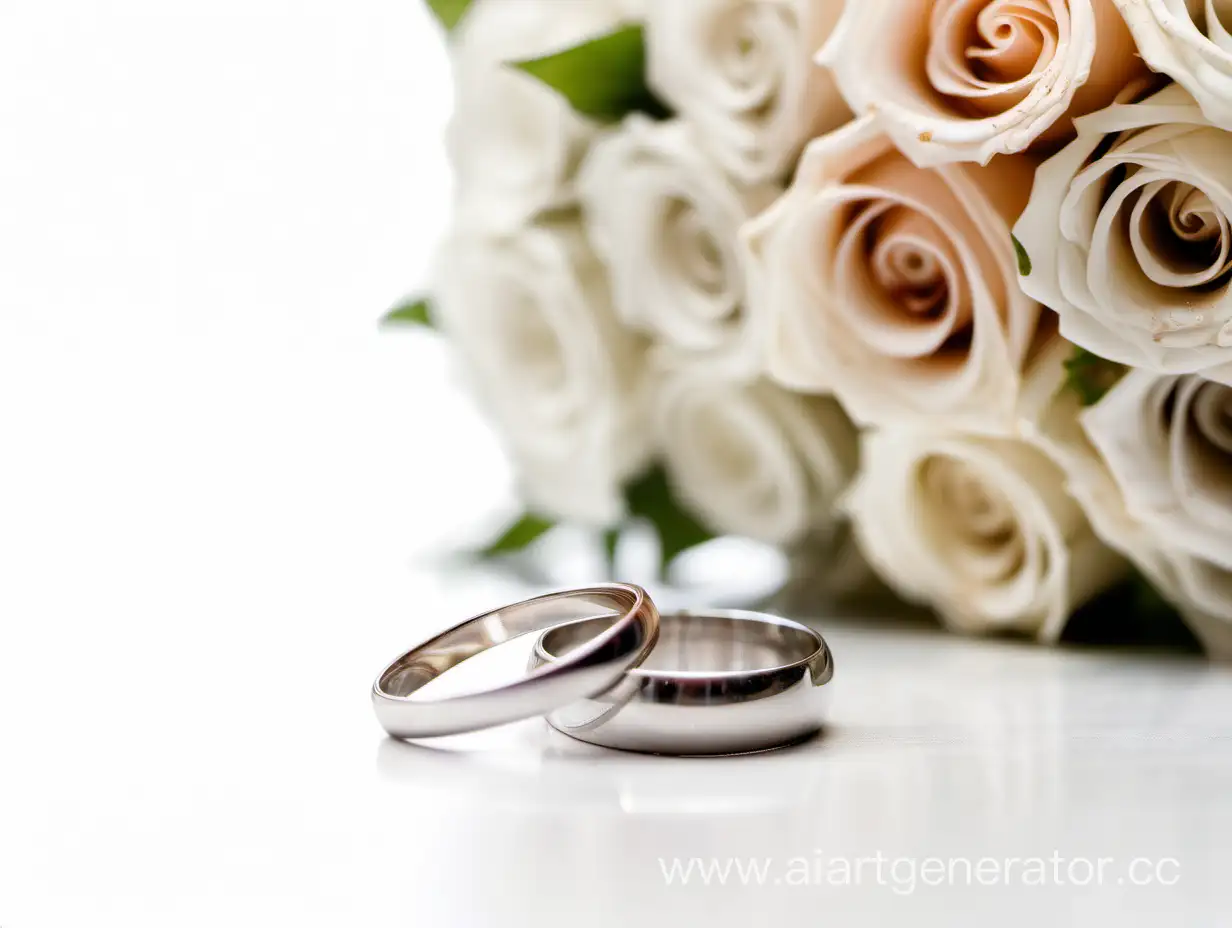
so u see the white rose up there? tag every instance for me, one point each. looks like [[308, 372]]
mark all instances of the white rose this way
[[752, 459], [981, 529], [1202, 591], [964, 80], [530, 317], [1128, 235], [895, 286], [742, 72], [1167, 441], [1051, 411], [634, 10], [666, 220], [514, 142], [1188, 40]]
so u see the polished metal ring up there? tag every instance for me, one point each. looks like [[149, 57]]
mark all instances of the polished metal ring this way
[[717, 682], [628, 629]]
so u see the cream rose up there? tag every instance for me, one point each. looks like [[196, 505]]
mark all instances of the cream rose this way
[[1167, 441], [894, 286], [742, 72], [665, 220], [964, 80], [513, 142], [753, 459], [1050, 417], [530, 318], [981, 529], [1191, 42], [1129, 239]]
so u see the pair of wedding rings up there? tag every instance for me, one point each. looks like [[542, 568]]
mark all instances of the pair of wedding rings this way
[[609, 670]]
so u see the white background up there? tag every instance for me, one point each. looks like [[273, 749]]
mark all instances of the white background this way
[[221, 496]]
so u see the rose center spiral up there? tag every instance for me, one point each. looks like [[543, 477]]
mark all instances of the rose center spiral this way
[[691, 245], [527, 336], [979, 51], [750, 42], [909, 271], [973, 524], [1179, 236]]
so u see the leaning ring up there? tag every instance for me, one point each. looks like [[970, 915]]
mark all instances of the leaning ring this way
[[627, 633], [718, 682]]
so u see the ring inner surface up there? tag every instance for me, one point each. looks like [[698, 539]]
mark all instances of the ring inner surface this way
[[427, 662], [700, 643]]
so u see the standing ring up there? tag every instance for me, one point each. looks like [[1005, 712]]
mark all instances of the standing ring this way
[[627, 633]]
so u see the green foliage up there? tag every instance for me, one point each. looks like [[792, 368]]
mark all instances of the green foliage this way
[[1024, 259], [524, 531], [449, 12], [603, 78], [611, 541], [650, 497], [412, 312], [1091, 376]]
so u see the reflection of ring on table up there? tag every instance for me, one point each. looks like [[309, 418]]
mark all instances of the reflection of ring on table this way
[[717, 682], [631, 625]]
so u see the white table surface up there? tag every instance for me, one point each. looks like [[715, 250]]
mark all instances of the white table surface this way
[[221, 493], [207, 559]]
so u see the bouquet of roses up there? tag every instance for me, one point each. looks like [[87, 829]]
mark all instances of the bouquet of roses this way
[[954, 276]]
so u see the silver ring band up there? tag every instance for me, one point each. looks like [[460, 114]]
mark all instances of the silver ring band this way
[[627, 630], [717, 682]]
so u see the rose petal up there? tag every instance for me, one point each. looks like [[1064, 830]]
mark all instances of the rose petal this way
[[832, 264], [965, 80], [752, 460]]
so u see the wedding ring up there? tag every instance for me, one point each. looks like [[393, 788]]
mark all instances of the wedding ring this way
[[623, 637], [717, 682]]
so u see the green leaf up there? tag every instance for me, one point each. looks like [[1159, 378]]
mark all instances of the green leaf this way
[[1024, 259], [524, 531], [414, 312], [650, 497], [449, 12], [1091, 376], [604, 78], [611, 540]]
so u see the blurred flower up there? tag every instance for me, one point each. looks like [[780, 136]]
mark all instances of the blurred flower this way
[[894, 286], [752, 460], [515, 143], [665, 220], [741, 71], [964, 80], [531, 320], [1167, 441], [1128, 236], [981, 529], [1050, 415]]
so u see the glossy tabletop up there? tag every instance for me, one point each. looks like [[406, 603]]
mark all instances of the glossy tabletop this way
[[193, 620]]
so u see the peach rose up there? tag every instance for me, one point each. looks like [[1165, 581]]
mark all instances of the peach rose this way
[[964, 80], [895, 287]]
